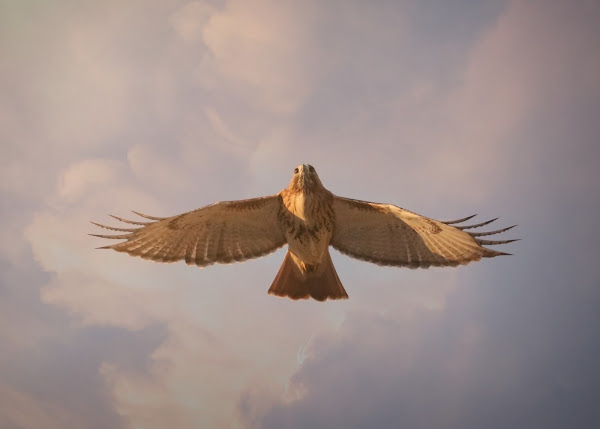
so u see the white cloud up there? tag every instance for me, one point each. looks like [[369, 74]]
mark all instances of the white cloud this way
[[80, 177], [262, 51], [231, 142], [153, 168]]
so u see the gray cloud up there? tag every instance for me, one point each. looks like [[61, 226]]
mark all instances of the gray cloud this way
[[49, 367], [167, 106], [500, 355]]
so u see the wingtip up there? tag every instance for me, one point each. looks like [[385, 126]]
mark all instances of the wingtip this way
[[490, 253], [132, 222], [100, 225], [464, 219], [112, 237], [482, 242], [487, 233], [147, 216], [477, 225]]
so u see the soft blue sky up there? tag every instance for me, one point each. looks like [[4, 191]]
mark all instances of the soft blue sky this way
[[486, 107]]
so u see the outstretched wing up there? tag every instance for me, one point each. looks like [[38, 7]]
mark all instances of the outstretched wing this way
[[388, 235], [222, 232]]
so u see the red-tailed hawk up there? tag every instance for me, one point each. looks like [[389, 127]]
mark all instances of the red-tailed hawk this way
[[309, 219]]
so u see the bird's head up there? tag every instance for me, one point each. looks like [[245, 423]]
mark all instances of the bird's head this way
[[305, 179]]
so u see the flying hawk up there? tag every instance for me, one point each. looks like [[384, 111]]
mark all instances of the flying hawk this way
[[309, 219]]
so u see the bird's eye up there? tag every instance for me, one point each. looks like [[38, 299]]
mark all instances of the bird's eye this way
[[296, 170], [311, 169]]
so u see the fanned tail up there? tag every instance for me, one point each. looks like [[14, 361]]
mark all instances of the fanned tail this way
[[296, 281]]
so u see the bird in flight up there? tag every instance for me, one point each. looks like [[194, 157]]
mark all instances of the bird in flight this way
[[309, 219]]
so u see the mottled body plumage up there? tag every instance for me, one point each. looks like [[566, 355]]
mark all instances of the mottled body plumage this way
[[308, 218]]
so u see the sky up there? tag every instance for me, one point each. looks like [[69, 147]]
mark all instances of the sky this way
[[444, 108]]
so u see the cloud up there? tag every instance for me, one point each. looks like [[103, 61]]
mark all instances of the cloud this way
[[79, 177], [20, 410], [189, 20], [165, 107], [522, 62], [232, 142], [261, 51], [505, 350]]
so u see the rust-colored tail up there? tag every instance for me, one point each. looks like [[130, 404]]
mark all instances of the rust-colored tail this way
[[299, 282]]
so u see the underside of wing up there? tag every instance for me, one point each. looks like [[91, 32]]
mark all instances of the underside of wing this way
[[223, 232], [388, 235]]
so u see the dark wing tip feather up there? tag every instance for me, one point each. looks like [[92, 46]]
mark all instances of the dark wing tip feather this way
[[482, 234], [148, 216], [494, 242], [133, 222], [452, 222], [105, 247], [112, 228], [112, 237], [496, 253], [488, 253], [477, 225]]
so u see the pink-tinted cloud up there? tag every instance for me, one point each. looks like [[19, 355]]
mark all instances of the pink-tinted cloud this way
[[163, 107]]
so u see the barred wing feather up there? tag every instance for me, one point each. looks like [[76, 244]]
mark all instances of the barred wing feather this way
[[388, 235], [223, 232]]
